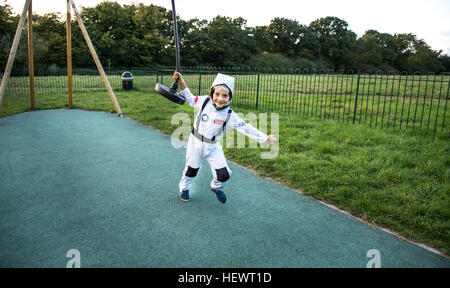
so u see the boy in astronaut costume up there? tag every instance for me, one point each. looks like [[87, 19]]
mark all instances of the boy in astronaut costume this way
[[210, 125]]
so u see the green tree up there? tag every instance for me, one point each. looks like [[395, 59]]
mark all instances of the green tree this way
[[7, 20], [285, 36], [142, 36], [8, 23], [263, 41], [444, 59], [193, 41], [336, 41], [50, 29], [290, 38], [376, 50], [81, 57], [149, 36], [416, 55], [107, 25], [222, 42]]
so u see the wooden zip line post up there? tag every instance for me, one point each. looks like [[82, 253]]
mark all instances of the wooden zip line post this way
[[12, 52], [97, 61], [31, 54]]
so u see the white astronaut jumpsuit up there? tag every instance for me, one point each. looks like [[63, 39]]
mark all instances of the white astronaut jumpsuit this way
[[210, 125]]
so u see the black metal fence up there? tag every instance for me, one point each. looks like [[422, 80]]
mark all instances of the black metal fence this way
[[84, 80], [386, 101], [402, 101]]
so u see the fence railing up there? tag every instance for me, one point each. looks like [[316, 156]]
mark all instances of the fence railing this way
[[395, 101], [399, 101]]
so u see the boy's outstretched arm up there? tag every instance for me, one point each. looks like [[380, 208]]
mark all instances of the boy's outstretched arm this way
[[247, 129]]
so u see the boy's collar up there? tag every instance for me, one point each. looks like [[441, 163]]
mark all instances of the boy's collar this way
[[220, 109]]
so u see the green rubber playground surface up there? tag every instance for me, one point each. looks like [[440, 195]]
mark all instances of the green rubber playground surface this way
[[108, 187]]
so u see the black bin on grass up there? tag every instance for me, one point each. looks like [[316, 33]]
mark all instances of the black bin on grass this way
[[127, 80]]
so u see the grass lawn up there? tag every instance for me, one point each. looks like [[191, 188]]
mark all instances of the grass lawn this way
[[395, 179]]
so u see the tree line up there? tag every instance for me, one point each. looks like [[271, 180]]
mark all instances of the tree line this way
[[142, 36]]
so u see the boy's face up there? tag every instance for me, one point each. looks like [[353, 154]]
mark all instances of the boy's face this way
[[221, 96]]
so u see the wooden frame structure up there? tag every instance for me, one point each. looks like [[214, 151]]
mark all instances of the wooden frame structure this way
[[27, 9]]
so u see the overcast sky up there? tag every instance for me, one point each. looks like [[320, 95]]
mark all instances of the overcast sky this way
[[428, 19]]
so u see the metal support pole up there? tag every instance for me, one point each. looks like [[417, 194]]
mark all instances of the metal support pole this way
[[357, 92], [200, 81], [257, 88]]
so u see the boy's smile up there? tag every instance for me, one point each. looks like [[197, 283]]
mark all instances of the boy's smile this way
[[221, 96]]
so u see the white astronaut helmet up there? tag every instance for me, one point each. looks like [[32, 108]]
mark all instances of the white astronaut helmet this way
[[225, 80]]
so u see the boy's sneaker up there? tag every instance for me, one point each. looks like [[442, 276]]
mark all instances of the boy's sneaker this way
[[220, 196], [184, 196]]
